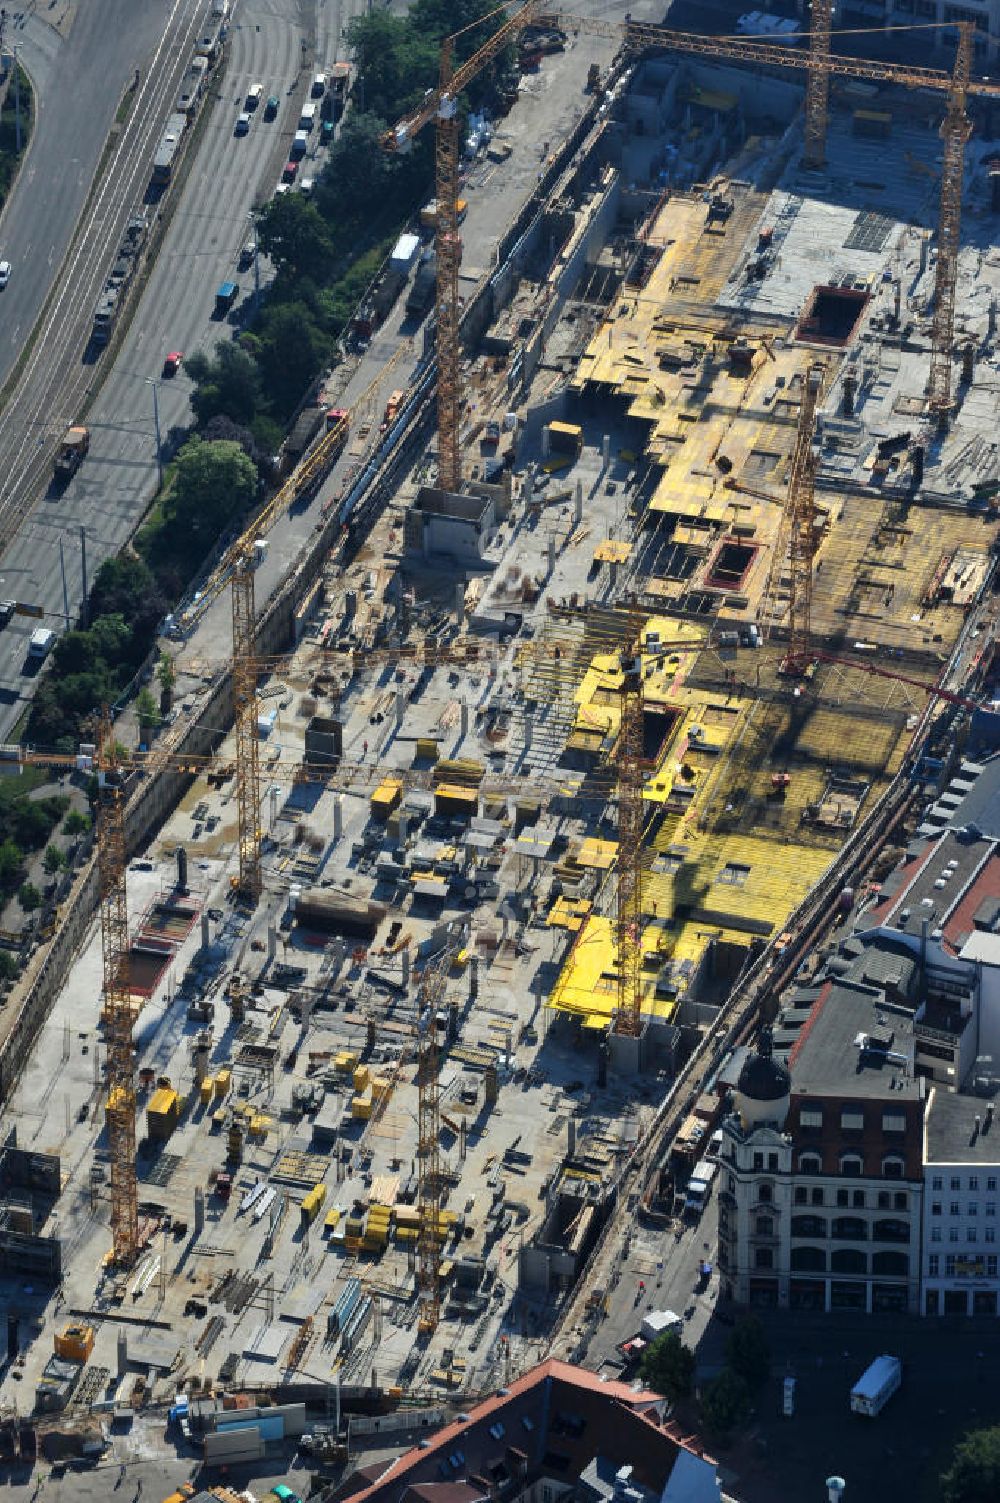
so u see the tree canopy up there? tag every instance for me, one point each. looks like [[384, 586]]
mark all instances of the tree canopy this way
[[291, 232], [212, 485], [748, 1352], [974, 1474], [226, 383], [725, 1403], [668, 1366]]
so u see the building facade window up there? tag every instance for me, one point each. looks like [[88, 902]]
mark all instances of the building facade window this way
[[989, 1234], [901, 1200], [893, 1166], [896, 1263], [817, 1196], [850, 1164], [810, 1163], [807, 1260], [935, 1234], [808, 1226], [801, 1195], [937, 1183], [764, 1226], [933, 1265], [935, 1208], [893, 1122], [850, 1229], [852, 1121], [891, 1229], [973, 1181], [763, 1257], [991, 1182], [953, 1234], [811, 1118]]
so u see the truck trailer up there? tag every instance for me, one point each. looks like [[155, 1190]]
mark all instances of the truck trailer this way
[[876, 1386]]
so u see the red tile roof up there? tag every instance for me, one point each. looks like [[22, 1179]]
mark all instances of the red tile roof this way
[[572, 1415]]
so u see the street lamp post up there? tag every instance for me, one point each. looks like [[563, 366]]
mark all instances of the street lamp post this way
[[17, 105], [256, 262], [150, 381]]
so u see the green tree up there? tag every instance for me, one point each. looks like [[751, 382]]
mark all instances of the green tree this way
[[126, 587], [167, 675], [226, 384], [668, 1366], [29, 897], [147, 710], [395, 64], [974, 1474], [212, 485], [9, 967], [748, 1352], [725, 1403], [361, 173], [53, 860], [292, 234], [11, 863], [76, 823], [293, 350], [112, 637]]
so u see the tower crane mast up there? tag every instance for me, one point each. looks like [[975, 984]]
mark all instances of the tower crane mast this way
[[956, 128], [802, 520], [118, 1016]]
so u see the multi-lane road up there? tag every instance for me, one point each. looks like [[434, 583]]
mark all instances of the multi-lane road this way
[[274, 42], [278, 43]]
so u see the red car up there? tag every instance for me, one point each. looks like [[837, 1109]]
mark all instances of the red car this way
[[172, 363], [291, 168]]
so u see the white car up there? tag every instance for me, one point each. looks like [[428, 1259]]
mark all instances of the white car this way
[[4, 273]]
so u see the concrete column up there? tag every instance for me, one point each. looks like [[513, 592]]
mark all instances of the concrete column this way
[[465, 719], [199, 1210], [578, 502], [205, 932], [460, 600], [403, 826], [272, 941], [406, 966], [122, 1353], [400, 707], [338, 816], [546, 442], [552, 553], [606, 450], [529, 730]]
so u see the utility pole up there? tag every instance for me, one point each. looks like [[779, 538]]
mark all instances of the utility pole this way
[[62, 570], [17, 104], [156, 424], [83, 574]]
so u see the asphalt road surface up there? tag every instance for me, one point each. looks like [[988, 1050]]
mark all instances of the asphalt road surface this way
[[80, 73], [210, 224]]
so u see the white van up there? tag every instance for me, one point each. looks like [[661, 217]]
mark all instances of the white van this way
[[318, 86], [254, 95], [308, 117], [41, 642]]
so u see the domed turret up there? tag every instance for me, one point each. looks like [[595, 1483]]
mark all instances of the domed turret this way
[[764, 1088]]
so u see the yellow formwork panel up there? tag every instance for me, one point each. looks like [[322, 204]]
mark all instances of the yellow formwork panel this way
[[587, 986]]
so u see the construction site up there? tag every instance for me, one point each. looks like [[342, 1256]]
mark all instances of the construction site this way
[[410, 964]]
